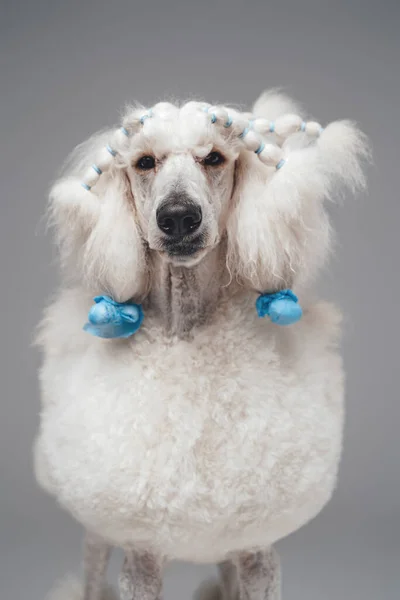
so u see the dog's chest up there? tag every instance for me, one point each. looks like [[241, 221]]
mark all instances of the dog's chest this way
[[230, 427]]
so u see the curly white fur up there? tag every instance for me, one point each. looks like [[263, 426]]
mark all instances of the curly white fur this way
[[209, 432]]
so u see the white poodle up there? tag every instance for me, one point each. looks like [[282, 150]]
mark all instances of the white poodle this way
[[207, 434]]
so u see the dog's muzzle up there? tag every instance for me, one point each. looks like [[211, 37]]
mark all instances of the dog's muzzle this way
[[179, 218]]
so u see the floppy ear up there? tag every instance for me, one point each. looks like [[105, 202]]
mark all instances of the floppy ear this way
[[96, 230], [278, 232]]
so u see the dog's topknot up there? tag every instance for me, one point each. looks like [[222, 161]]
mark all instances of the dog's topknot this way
[[259, 135]]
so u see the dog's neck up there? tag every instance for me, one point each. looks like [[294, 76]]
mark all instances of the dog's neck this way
[[185, 297]]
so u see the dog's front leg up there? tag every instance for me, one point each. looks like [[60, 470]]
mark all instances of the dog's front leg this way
[[229, 580], [256, 577], [141, 577], [96, 555]]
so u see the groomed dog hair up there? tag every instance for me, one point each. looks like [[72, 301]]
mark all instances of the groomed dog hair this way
[[277, 229], [207, 436]]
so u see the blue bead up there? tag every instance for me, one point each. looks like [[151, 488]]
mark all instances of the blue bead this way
[[86, 186], [125, 131], [229, 122], [97, 169], [280, 164], [272, 127], [303, 126]]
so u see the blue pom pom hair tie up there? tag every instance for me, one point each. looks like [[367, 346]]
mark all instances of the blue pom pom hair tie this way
[[282, 307], [109, 319]]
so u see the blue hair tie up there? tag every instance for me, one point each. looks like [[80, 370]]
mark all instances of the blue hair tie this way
[[244, 132], [260, 148], [280, 164], [109, 319], [213, 116], [111, 150], [147, 115], [282, 307]]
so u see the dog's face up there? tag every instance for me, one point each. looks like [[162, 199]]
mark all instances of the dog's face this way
[[181, 177], [180, 182]]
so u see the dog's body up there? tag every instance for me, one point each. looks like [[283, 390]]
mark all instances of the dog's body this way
[[196, 448], [209, 434]]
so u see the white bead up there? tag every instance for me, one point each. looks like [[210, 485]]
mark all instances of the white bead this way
[[252, 141], [220, 113], [239, 124], [271, 155], [132, 122], [119, 139], [90, 177], [261, 125], [313, 128], [202, 106], [287, 124], [104, 159], [209, 112]]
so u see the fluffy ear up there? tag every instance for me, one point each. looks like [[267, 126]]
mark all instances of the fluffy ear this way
[[96, 230], [279, 234]]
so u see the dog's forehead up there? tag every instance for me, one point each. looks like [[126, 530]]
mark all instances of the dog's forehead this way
[[172, 129]]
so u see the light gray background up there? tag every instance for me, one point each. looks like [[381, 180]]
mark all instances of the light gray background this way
[[66, 69]]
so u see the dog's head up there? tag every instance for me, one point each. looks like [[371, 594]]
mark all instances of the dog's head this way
[[175, 181], [180, 174]]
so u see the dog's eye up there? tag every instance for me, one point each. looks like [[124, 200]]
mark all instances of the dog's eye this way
[[146, 163], [214, 159]]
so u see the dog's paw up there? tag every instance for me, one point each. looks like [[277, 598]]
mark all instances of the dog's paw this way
[[71, 588]]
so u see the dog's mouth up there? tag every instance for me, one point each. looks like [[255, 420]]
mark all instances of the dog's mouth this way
[[184, 251], [184, 247]]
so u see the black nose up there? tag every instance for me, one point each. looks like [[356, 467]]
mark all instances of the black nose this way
[[178, 220]]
